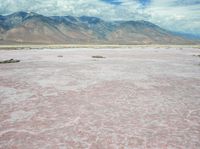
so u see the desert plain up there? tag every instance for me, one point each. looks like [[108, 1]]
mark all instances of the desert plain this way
[[100, 98]]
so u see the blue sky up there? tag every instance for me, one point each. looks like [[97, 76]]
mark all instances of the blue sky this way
[[119, 2], [113, 2], [176, 15], [145, 2]]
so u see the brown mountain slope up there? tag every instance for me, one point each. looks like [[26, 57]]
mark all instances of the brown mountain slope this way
[[34, 28]]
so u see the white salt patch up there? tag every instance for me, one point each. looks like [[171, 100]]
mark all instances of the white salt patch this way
[[21, 115], [11, 95], [47, 93]]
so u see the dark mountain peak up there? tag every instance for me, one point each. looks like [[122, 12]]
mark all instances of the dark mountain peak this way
[[90, 20], [67, 20], [2, 17], [133, 23], [14, 19], [147, 23], [137, 24], [18, 14], [33, 14], [37, 18], [71, 18], [22, 14]]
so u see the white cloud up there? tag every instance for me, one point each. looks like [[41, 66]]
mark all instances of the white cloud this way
[[181, 17]]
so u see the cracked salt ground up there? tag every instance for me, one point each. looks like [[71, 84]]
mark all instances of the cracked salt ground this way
[[20, 116], [140, 98]]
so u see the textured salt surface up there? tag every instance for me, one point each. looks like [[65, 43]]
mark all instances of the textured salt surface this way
[[144, 98]]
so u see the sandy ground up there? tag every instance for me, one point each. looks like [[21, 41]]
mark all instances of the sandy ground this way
[[142, 98]]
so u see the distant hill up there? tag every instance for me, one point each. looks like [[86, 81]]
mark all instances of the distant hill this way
[[22, 27]]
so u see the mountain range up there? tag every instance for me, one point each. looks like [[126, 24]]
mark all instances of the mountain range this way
[[23, 27]]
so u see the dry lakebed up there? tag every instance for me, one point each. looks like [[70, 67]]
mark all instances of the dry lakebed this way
[[105, 98]]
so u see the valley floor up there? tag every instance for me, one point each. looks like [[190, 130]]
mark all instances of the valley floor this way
[[141, 98]]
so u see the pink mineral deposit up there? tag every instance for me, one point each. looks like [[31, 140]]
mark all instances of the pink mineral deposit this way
[[138, 98]]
